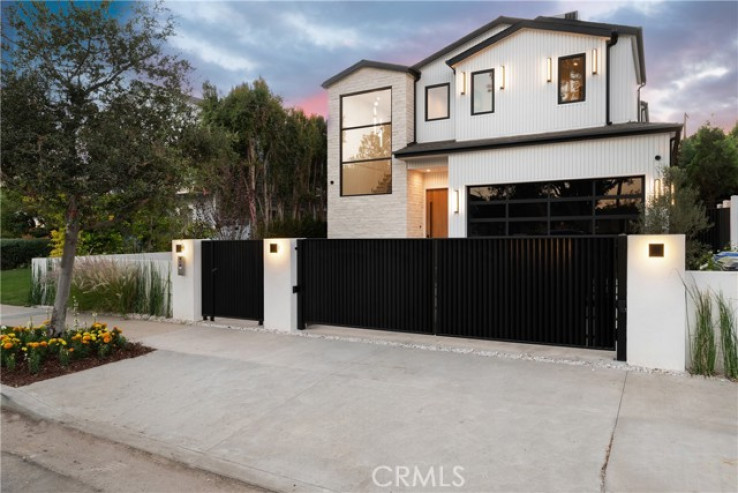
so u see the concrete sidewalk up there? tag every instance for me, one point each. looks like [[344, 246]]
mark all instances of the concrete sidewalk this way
[[312, 413]]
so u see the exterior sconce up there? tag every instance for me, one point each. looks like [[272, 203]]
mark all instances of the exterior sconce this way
[[549, 70], [179, 248], [463, 83], [595, 61], [273, 247], [655, 249], [657, 188], [456, 201], [502, 77]]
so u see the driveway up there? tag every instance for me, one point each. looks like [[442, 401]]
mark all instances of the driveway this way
[[308, 413]]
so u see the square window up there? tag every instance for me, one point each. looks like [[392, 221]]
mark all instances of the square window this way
[[483, 92], [437, 102], [571, 78]]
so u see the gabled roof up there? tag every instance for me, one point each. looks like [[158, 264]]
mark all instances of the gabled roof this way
[[443, 51], [370, 64], [561, 25], [617, 130]]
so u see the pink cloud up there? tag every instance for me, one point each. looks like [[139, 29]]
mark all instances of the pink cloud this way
[[315, 104]]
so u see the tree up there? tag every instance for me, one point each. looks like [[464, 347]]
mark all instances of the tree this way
[[711, 160], [676, 209], [92, 112]]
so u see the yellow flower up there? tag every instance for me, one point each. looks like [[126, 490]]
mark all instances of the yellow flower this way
[[8, 345], [63, 342], [24, 349]]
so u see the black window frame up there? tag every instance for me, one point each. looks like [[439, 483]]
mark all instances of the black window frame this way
[[340, 142], [486, 71], [592, 217], [584, 77], [448, 101]]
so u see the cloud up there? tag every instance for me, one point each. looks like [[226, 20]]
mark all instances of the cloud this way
[[211, 53], [322, 35]]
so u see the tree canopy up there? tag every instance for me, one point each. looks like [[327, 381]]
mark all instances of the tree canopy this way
[[93, 110], [710, 158]]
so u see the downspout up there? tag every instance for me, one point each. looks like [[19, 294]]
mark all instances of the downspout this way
[[610, 43], [638, 108]]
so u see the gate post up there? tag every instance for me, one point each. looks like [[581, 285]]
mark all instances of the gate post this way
[[280, 275], [186, 278], [621, 342]]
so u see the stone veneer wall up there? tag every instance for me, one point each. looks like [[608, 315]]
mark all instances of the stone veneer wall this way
[[371, 216]]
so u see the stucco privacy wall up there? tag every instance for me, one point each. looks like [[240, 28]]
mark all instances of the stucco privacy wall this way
[[656, 310], [620, 156], [370, 216], [187, 289], [716, 283], [280, 274]]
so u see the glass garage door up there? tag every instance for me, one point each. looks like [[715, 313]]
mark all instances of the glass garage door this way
[[603, 206]]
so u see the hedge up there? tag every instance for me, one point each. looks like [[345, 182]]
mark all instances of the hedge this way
[[15, 253]]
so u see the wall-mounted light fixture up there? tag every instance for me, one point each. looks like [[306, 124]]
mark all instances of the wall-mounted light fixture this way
[[179, 248], [456, 201], [549, 70], [463, 83], [657, 188], [502, 77], [655, 249], [273, 247], [595, 61]]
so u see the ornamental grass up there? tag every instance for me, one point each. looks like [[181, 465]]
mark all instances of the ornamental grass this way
[[31, 347]]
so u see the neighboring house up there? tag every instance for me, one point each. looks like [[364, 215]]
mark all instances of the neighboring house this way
[[522, 127]]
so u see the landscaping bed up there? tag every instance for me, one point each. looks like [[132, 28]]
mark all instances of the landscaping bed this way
[[29, 354]]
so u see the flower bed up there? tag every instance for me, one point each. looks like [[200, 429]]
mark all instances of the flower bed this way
[[29, 354]]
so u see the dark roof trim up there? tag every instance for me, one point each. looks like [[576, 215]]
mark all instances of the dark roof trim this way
[[370, 64], [466, 39], [561, 25], [617, 130]]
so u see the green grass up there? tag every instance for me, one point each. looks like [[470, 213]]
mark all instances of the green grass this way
[[15, 286]]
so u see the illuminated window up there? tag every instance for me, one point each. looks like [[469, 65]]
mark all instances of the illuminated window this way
[[366, 143], [483, 92], [571, 79], [437, 102]]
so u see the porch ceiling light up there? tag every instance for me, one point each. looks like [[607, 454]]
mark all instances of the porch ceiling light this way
[[549, 70]]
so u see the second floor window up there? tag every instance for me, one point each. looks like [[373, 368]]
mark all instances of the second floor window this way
[[366, 143], [483, 92], [437, 102], [571, 79]]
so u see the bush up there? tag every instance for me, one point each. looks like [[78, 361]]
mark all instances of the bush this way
[[18, 253], [293, 228]]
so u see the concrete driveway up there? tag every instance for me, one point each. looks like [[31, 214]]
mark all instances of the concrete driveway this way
[[305, 413]]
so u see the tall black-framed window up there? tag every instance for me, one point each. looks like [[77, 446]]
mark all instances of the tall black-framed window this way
[[437, 102], [366, 143], [483, 92], [602, 206], [572, 80]]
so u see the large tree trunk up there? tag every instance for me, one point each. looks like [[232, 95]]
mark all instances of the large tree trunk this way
[[64, 284]]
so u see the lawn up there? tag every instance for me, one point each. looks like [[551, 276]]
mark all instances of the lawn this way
[[15, 286]]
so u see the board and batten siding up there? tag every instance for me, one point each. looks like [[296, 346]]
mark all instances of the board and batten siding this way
[[437, 72], [623, 82], [601, 158], [529, 104], [370, 216]]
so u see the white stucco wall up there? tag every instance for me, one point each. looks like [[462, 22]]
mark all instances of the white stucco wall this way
[[187, 289], [280, 274], [656, 310]]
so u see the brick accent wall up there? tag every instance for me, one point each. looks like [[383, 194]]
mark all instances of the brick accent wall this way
[[370, 216]]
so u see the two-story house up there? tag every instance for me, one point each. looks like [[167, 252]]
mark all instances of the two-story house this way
[[522, 127]]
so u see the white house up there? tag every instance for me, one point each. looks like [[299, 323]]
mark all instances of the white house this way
[[522, 127]]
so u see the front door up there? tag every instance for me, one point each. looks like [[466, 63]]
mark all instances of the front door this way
[[436, 213]]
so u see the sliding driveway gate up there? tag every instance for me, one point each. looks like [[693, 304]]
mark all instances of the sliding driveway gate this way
[[233, 279], [546, 290]]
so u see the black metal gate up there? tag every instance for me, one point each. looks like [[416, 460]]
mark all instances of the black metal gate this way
[[717, 235], [233, 279], [546, 290]]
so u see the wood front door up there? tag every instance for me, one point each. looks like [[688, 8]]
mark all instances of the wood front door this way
[[436, 213]]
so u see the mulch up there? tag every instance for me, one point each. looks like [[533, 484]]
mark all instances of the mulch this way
[[51, 368]]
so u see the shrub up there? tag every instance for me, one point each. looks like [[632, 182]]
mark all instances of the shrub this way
[[18, 253], [728, 337], [292, 228], [703, 339]]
